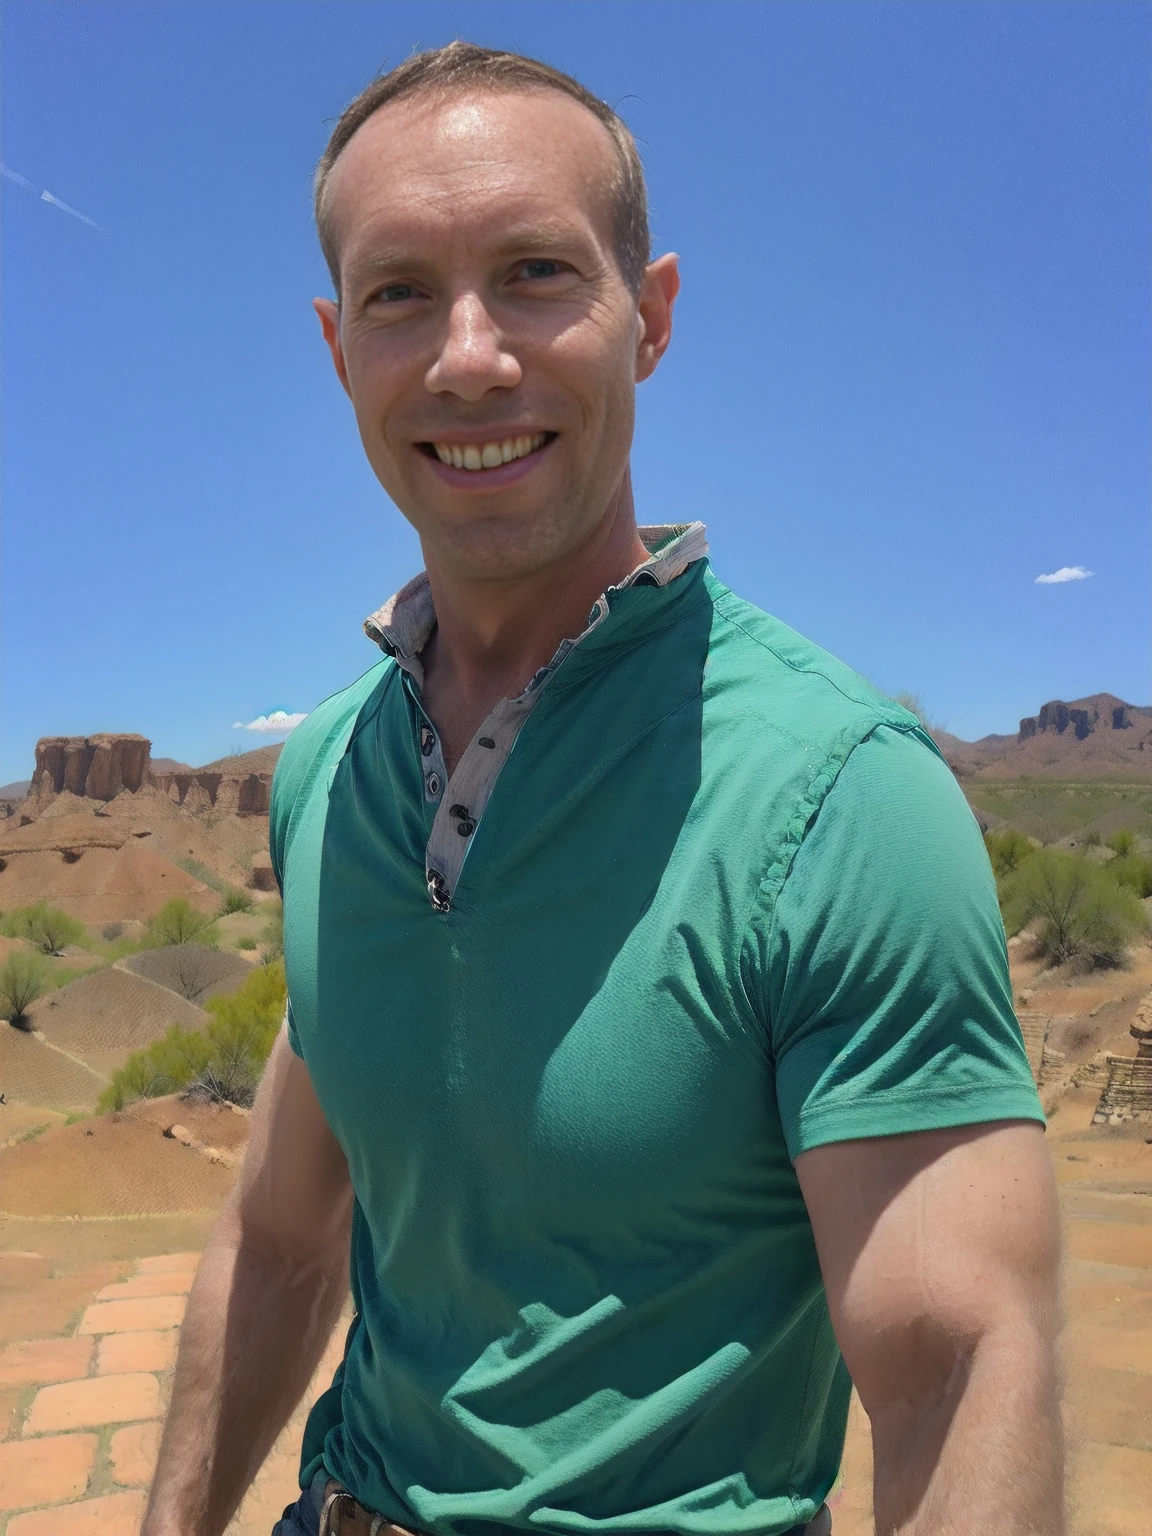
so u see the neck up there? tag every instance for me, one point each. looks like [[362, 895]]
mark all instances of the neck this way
[[492, 636]]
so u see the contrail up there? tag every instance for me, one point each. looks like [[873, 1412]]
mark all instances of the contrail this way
[[47, 197]]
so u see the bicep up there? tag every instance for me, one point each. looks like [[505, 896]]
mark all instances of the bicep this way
[[930, 1241], [294, 1197]]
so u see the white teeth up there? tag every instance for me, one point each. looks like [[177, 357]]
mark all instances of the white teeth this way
[[488, 455]]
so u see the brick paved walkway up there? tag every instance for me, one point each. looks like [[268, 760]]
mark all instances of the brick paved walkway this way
[[81, 1444]]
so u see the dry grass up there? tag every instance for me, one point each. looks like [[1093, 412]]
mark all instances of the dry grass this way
[[31, 1072], [111, 1010], [190, 970]]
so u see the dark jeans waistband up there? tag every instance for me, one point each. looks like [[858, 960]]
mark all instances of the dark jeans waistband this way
[[303, 1517]]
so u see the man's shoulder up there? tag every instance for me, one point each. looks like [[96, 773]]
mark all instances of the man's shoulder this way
[[318, 741], [776, 675]]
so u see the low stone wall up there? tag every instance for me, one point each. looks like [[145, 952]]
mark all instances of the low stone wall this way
[[1128, 1092]]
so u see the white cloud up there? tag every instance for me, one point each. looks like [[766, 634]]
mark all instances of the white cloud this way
[[278, 723], [1065, 573]]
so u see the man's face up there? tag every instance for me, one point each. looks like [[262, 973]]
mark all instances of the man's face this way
[[485, 334]]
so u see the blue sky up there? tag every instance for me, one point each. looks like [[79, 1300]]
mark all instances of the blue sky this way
[[910, 372]]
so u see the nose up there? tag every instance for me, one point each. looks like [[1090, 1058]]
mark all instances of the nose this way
[[474, 357]]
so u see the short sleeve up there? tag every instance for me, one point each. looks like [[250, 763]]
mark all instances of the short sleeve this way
[[885, 971]]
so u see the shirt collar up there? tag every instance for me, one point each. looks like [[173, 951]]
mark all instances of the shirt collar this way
[[401, 628]]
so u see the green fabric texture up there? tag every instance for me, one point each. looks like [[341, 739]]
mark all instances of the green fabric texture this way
[[726, 903]]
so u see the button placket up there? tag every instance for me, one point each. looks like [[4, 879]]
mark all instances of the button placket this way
[[463, 798]]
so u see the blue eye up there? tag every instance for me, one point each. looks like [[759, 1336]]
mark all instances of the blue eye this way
[[540, 268], [396, 293]]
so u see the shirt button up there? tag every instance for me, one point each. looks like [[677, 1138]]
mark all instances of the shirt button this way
[[466, 827], [486, 741], [433, 783], [427, 740]]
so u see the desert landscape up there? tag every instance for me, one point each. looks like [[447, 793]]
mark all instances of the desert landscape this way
[[137, 894]]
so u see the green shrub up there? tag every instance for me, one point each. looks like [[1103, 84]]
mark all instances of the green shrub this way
[[1007, 850], [111, 932], [1133, 870], [45, 926], [273, 937], [178, 922], [246, 942], [1122, 843], [1079, 910], [23, 977], [235, 901], [224, 1060]]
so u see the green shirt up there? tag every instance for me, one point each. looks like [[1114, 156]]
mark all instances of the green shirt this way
[[723, 903]]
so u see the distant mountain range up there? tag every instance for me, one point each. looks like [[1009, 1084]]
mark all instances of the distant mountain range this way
[[1099, 737]]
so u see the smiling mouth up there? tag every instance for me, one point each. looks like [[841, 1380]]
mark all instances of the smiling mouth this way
[[481, 456]]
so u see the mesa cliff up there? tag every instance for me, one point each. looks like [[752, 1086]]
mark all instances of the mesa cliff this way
[[109, 835], [101, 767]]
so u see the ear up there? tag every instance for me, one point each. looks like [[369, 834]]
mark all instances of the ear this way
[[329, 312], [654, 304]]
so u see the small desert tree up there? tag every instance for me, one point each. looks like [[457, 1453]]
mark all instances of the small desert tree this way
[[242, 1031], [1007, 850], [222, 1061], [273, 937], [1121, 843], [1078, 910], [235, 900], [45, 926], [165, 1066], [23, 977], [178, 922], [187, 968], [1133, 870]]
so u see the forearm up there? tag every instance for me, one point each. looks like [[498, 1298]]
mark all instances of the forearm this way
[[253, 1334], [981, 1456]]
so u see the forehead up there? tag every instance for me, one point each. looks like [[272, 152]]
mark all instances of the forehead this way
[[473, 160]]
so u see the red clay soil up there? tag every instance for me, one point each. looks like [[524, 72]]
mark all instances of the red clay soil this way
[[215, 1125], [104, 885], [259, 760], [115, 1165]]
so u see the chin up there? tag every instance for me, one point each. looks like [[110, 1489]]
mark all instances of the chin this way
[[505, 545]]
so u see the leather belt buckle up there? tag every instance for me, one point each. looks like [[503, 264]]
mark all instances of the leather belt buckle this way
[[339, 1503]]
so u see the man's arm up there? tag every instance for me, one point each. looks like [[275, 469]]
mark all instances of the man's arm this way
[[940, 1253], [267, 1295]]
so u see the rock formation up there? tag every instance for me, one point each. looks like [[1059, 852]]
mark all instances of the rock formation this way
[[100, 767], [1056, 717], [245, 794], [97, 767]]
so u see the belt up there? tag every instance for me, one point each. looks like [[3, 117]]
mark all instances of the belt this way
[[342, 1515]]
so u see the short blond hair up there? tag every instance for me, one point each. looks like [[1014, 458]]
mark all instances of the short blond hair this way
[[462, 65]]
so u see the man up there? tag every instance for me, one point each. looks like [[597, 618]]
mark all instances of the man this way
[[650, 1043]]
